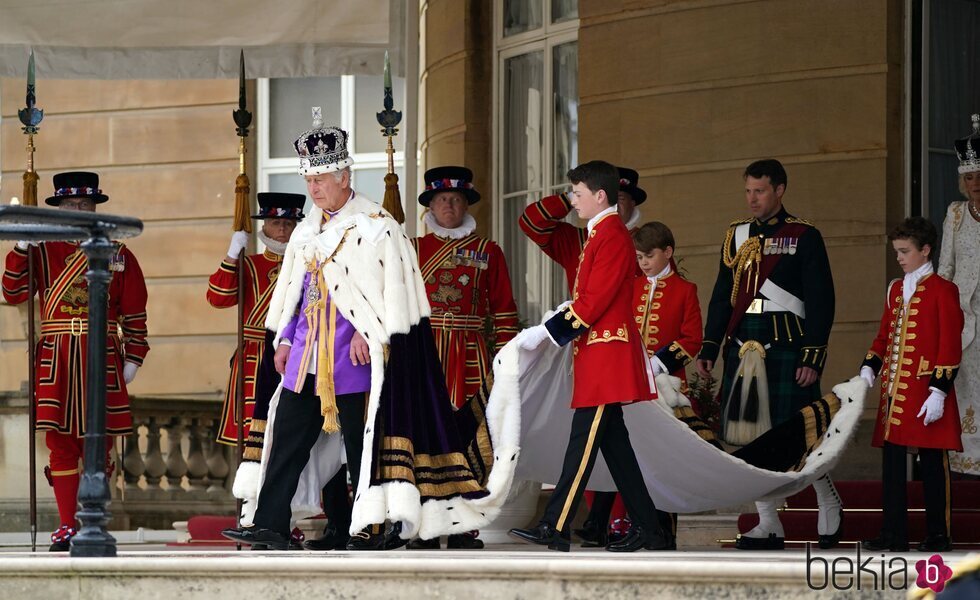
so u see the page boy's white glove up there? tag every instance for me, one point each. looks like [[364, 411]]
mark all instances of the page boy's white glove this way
[[932, 408], [532, 337], [868, 375]]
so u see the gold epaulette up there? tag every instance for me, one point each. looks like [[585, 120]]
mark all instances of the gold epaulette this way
[[740, 222], [798, 220]]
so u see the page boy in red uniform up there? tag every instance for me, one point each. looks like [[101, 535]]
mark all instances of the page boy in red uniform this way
[[610, 369], [667, 313], [917, 353]]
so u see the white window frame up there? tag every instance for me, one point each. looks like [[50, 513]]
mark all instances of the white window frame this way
[[544, 287], [267, 165]]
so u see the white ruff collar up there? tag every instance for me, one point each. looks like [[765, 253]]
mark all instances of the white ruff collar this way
[[271, 244], [633, 220], [456, 233]]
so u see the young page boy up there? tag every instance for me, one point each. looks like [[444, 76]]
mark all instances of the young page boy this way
[[667, 313], [610, 370], [666, 308], [917, 354]]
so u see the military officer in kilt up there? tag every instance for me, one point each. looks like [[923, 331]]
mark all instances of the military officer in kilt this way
[[468, 288], [771, 312], [610, 369], [61, 350], [279, 213]]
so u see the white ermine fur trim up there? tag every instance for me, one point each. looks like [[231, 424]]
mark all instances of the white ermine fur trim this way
[[246, 489], [247, 481], [249, 506], [839, 433], [456, 233], [374, 281], [669, 391]]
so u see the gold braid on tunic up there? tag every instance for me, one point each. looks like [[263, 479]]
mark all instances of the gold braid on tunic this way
[[747, 258]]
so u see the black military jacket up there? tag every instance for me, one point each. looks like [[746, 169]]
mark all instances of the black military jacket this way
[[792, 252]]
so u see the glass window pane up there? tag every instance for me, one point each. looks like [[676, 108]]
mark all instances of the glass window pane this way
[[521, 15], [290, 101], [371, 183], [525, 261], [290, 183], [368, 101], [522, 133], [954, 57], [563, 10], [565, 124]]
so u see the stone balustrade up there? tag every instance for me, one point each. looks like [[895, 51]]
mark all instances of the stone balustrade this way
[[171, 467]]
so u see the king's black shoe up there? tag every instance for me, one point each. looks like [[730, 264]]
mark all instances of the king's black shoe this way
[[330, 540], [935, 543], [364, 540], [592, 535], [827, 542], [773, 542], [638, 538], [544, 535], [266, 548], [882, 542], [393, 537], [420, 544], [464, 541], [273, 540]]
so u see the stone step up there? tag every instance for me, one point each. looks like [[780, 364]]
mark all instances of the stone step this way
[[510, 572]]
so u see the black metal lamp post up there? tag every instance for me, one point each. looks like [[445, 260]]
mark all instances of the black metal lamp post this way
[[97, 231]]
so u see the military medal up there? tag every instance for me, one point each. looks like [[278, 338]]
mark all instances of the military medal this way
[[117, 263]]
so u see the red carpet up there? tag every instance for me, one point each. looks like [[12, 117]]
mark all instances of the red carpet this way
[[862, 513]]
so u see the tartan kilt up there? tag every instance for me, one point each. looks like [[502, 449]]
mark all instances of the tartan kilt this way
[[786, 398]]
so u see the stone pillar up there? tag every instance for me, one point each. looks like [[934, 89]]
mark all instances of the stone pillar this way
[[457, 84]]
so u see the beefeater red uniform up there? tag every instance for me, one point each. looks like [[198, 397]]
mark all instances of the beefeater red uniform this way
[[918, 347], [543, 222], [261, 272], [61, 351], [466, 283], [59, 279]]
